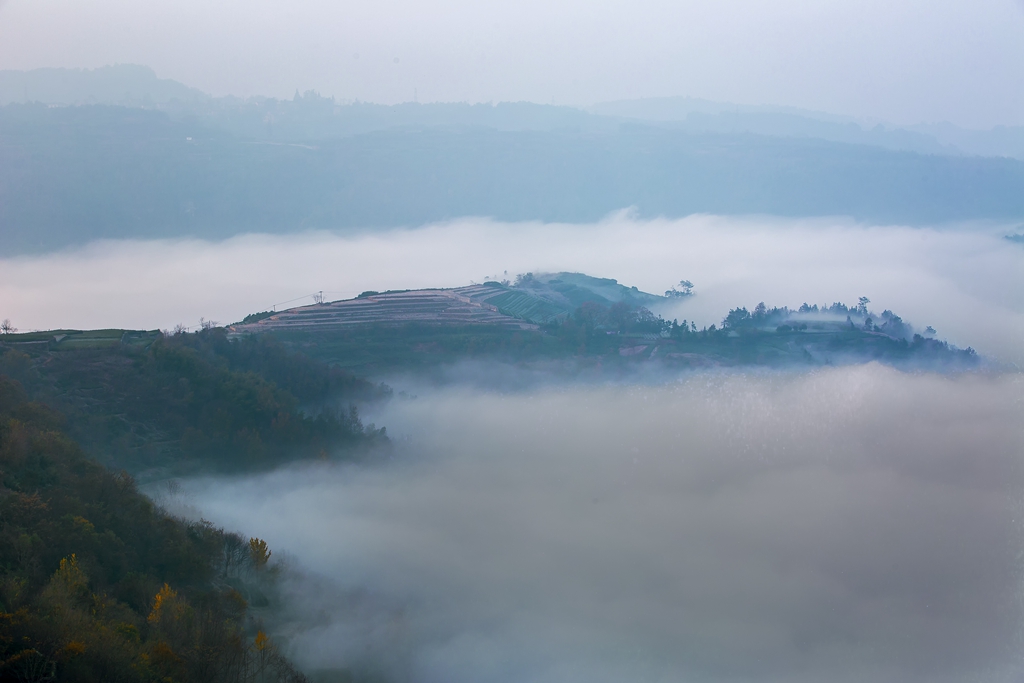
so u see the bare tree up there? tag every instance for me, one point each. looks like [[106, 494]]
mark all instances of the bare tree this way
[[6, 327]]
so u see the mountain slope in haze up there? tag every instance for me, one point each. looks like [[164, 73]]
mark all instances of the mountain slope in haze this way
[[310, 116], [120, 84], [76, 174], [695, 114]]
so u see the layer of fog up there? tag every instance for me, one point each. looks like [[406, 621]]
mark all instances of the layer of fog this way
[[843, 525], [967, 283]]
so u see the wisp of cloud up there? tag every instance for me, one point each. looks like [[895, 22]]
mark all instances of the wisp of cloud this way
[[846, 524]]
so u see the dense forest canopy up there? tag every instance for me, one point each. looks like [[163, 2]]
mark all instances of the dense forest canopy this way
[[97, 584], [196, 401]]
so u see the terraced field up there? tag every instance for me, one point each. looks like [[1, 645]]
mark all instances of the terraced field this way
[[522, 305], [536, 301], [78, 339], [462, 306]]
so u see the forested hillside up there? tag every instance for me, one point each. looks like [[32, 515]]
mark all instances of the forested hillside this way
[[193, 402], [96, 584]]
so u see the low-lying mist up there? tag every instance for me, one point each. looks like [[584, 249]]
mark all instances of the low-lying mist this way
[[966, 282], [846, 524]]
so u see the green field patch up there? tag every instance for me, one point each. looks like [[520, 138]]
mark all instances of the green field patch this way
[[527, 307]]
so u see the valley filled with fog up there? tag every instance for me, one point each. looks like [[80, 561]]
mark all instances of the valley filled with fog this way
[[512, 342], [524, 522], [715, 524], [843, 524]]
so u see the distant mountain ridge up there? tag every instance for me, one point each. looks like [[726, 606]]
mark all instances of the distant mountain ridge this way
[[927, 138], [120, 84], [309, 116], [139, 157], [71, 175]]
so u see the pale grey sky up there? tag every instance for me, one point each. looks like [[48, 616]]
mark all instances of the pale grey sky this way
[[903, 61]]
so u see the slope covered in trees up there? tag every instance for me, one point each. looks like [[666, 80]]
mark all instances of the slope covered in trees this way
[[96, 584], [189, 402]]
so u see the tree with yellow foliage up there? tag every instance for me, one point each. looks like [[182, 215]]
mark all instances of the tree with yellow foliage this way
[[264, 651], [259, 552]]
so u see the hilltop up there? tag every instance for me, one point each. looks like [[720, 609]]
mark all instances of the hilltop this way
[[534, 299], [563, 316], [216, 398]]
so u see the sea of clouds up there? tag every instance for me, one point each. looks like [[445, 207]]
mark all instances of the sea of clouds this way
[[844, 524]]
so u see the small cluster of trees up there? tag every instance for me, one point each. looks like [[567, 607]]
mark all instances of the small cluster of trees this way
[[760, 317], [688, 330], [859, 317], [6, 327], [592, 320], [594, 327], [256, 317], [838, 308], [523, 280], [683, 289], [621, 317]]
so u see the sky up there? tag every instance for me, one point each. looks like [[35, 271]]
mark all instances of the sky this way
[[904, 61], [966, 283]]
